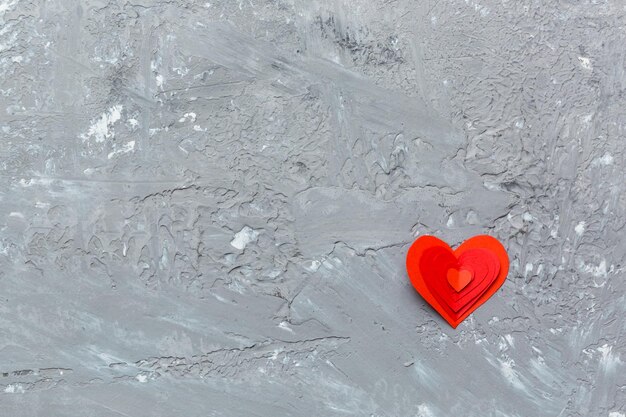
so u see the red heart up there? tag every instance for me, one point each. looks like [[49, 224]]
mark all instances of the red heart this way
[[455, 283], [459, 279]]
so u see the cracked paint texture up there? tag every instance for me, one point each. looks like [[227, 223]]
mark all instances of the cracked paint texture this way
[[205, 206]]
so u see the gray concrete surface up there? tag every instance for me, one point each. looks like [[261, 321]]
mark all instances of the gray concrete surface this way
[[205, 206]]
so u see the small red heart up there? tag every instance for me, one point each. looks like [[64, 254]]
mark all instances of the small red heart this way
[[455, 283], [459, 279]]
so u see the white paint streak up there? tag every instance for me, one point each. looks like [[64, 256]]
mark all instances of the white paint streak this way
[[285, 326], [424, 410], [507, 368], [580, 228], [6, 6], [101, 128], [312, 266], [14, 389], [243, 237], [606, 160], [35, 181], [450, 222], [598, 271], [585, 62], [160, 80], [609, 360], [188, 116], [128, 147], [528, 269]]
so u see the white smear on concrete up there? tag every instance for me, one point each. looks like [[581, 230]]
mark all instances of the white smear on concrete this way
[[616, 414], [188, 116], [219, 298], [14, 389], [128, 147], [243, 237], [424, 410], [580, 228], [285, 326], [141, 378], [160, 80], [586, 119], [450, 222], [101, 128], [9, 37], [35, 181], [609, 360], [585, 63], [598, 271], [502, 346], [606, 160], [482, 10], [164, 263], [6, 6], [539, 270], [507, 369], [528, 269], [312, 266]]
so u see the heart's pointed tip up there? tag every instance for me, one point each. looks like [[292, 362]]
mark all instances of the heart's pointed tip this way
[[452, 323]]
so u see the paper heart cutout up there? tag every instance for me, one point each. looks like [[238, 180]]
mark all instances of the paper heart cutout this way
[[456, 282], [458, 279]]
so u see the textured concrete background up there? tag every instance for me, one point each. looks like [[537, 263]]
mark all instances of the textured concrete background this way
[[205, 206]]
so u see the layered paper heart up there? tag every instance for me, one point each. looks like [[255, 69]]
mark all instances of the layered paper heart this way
[[456, 282]]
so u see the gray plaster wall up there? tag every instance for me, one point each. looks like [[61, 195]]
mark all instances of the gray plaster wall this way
[[205, 206]]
